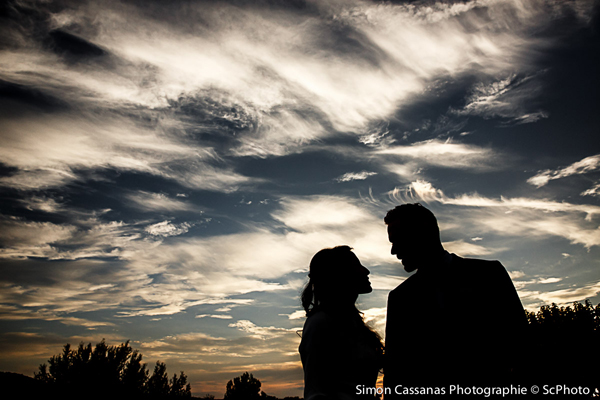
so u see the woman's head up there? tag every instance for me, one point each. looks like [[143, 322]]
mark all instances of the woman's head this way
[[336, 277]]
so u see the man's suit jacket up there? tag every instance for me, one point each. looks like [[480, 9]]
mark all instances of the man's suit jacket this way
[[456, 323]]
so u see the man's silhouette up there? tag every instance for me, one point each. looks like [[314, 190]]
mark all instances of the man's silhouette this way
[[456, 320]]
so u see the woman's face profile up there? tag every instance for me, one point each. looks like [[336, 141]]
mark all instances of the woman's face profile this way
[[357, 276]]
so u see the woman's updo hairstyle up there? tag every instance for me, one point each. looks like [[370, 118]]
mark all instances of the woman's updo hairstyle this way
[[325, 276]]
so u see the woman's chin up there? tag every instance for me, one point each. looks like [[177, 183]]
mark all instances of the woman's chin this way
[[366, 289]]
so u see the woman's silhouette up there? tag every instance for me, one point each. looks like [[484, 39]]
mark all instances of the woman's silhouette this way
[[341, 356]]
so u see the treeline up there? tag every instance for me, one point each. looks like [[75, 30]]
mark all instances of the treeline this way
[[563, 346], [109, 371], [580, 317]]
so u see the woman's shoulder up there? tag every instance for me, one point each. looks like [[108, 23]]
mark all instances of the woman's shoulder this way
[[318, 326], [318, 320], [319, 330]]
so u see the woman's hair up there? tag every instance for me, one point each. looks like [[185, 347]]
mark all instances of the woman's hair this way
[[327, 268]]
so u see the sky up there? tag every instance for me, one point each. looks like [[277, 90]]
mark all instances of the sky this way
[[168, 169]]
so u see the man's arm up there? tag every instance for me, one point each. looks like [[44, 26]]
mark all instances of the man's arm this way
[[511, 322]]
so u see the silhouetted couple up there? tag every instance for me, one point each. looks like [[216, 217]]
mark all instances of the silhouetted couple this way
[[456, 321]]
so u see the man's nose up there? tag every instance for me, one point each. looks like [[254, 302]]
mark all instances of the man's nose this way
[[394, 249]]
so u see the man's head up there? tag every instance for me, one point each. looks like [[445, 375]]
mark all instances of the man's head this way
[[414, 234]]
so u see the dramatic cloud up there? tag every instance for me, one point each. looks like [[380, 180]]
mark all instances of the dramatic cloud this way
[[309, 76], [588, 164], [18, 233], [158, 202], [508, 98], [355, 176], [258, 331], [466, 249], [440, 154], [314, 213], [165, 229], [593, 191], [71, 144], [570, 295]]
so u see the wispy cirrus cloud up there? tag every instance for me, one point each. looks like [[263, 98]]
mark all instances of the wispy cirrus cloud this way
[[355, 176], [148, 201], [43, 203], [72, 144], [410, 161], [310, 76], [508, 98], [588, 164], [593, 191], [316, 212], [444, 153], [10, 313], [18, 232], [570, 295], [466, 249], [165, 228], [259, 332]]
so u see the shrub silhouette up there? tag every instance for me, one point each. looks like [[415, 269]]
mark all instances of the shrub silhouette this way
[[115, 371]]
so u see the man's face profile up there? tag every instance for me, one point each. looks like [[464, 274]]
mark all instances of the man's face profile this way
[[404, 245]]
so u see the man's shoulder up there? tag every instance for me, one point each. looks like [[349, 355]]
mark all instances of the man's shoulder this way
[[409, 285], [476, 265], [474, 271], [472, 261]]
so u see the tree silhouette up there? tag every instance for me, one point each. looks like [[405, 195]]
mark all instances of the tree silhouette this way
[[179, 386], [108, 371], [135, 374], [244, 387], [158, 384]]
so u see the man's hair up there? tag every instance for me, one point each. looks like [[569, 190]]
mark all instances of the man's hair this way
[[414, 216]]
